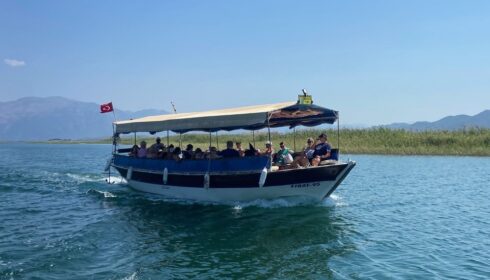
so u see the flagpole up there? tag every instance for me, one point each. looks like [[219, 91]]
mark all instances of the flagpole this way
[[114, 113], [113, 137]]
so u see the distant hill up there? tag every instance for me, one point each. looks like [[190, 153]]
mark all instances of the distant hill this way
[[481, 120], [34, 118]]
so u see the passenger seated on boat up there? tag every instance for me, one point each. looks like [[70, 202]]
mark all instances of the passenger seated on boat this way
[[251, 151], [169, 152], [188, 153], [322, 150], [198, 154], [283, 156], [269, 151], [142, 151], [156, 149], [212, 153], [229, 152], [241, 152], [134, 151], [303, 159], [177, 154]]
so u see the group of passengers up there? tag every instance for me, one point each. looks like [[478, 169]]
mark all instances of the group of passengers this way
[[313, 153]]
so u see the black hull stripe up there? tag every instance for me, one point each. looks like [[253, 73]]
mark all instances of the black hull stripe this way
[[296, 176], [340, 180]]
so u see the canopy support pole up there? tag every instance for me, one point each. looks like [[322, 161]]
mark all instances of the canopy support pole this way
[[217, 143], [269, 134], [135, 138], [209, 141], [180, 140], [168, 139], [294, 139], [338, 132], [253, 137], [269, 127], [114, 140]]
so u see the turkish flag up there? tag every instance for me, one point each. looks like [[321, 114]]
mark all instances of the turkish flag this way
[[106, 108]]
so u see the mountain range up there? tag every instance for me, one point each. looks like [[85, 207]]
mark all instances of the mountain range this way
[[480, 120], [36, 118]]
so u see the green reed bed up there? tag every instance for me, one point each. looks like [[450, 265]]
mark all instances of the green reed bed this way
[[474, 142]]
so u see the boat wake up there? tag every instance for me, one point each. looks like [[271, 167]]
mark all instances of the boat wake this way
[[133, 276], [84, 178], [332, 201], [94, 178], [115, 180], [277, 202], [104, 194]]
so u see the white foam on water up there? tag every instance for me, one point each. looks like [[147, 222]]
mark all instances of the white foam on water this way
[[108, 194], [101, 193], [328, 202], [51, 176], [83, 178], [277, 203], [334, 200], [237, 206], [80, 178], [133, 276], [115, 180]]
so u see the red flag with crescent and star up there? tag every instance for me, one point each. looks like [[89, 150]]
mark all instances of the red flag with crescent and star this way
[[106, 108]]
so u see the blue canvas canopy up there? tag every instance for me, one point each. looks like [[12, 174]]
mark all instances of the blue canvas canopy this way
[[290, 114]]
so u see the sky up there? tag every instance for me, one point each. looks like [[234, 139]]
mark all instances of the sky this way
[[377, 62]]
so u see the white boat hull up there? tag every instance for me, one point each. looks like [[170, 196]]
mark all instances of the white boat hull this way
[[315, 190]]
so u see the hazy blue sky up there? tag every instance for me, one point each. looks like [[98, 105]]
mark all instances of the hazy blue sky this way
[[375, 61]]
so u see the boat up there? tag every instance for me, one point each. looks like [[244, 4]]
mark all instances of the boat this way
[[238, 179]]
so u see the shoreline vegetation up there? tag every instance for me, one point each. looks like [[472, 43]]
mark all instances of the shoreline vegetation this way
[[468, 142]]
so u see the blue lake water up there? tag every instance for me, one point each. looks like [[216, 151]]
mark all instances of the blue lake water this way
[[405, 217]]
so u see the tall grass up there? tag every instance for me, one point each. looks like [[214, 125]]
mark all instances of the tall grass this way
[[472, 142]]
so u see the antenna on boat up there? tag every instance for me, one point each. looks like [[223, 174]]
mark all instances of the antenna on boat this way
[[173, 106], [304, 92]]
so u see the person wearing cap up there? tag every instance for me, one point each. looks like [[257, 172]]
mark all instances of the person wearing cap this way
[[322, 150], [155, 149]]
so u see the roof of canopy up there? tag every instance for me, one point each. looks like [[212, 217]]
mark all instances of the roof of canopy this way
[[289, 114]]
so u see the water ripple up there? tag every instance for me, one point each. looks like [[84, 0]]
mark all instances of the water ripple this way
[[395, 217]]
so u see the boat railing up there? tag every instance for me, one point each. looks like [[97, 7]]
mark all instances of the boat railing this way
[[242, 164]]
